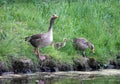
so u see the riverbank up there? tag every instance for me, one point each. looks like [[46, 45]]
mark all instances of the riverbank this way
[[97, 21], [73, 74], [25, 65]]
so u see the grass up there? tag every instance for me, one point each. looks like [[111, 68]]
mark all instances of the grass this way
[[96, 20]]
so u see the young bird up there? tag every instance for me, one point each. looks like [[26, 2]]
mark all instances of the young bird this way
[[82, 44], [59, 45]]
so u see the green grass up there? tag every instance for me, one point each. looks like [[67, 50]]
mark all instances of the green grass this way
[[96, 20]]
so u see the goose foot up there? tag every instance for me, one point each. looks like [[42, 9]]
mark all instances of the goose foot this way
[[42, 57]]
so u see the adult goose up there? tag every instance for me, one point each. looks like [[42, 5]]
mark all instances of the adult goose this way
[[42, 40], [59, 45], [82, 44]]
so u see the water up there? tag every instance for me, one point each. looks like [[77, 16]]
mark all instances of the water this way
[[97, 80]]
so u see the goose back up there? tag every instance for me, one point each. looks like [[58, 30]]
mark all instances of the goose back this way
[[41, 40], [80, 43]]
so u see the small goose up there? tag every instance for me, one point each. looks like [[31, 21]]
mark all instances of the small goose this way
[[59, 45], [82, 44], [42, 40]]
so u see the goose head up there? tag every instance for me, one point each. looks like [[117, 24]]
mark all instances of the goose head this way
[[54, 16]]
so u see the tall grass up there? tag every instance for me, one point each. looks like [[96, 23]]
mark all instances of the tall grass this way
[[96, 20]]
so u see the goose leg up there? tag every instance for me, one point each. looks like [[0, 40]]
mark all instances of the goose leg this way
[[35, 51], [83, 53], [38, 53], [41, 57]]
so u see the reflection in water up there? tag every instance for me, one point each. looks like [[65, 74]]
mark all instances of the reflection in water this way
[[20, 81], [82, 82], [30, 81], [98, 80], [40, 82]]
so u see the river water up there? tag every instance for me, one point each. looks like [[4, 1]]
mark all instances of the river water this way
[[96, 80]]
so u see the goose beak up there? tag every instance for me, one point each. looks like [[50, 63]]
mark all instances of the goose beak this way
[[93, 51]]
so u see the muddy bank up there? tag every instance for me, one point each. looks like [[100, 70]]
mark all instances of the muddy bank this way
[[72, 74], [25, 65]]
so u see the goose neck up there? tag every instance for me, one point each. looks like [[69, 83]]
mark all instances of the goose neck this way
[[51, 24]]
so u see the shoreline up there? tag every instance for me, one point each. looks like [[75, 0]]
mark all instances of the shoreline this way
[[71, 74]]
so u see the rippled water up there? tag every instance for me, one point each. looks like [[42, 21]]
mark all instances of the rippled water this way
[[97, 80]]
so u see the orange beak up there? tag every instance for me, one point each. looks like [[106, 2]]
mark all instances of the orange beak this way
[[93, 51]]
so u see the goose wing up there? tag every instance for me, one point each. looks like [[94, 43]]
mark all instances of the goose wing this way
[[38, 37]]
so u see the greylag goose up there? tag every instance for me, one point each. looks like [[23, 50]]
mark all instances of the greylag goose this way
[[42, 40], [59, 45], [82, 44]]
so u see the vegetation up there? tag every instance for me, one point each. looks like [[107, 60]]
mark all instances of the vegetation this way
[[96, 20]]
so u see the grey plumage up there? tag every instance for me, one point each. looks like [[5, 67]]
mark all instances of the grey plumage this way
[[82, 44], [42, 40]]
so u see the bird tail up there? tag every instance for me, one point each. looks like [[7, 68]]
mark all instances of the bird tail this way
[[27, 38]]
